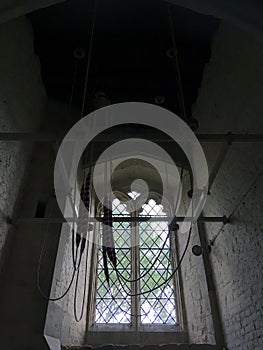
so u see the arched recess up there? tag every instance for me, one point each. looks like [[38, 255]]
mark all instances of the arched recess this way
[[61, 327]]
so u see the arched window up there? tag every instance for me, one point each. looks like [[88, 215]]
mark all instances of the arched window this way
[[138, 297]]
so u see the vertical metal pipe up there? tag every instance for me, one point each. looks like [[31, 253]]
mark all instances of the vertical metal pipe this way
[[178, 284], [216, 316]]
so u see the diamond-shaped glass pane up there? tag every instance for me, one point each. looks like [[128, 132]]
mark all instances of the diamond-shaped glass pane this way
[[121, 234], [119, 208], [157, 306], [112, 311], [152, 265], [112, 303], [152, 209], [161, 310]]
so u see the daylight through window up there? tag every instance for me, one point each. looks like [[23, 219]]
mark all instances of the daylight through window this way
[[145, 259]]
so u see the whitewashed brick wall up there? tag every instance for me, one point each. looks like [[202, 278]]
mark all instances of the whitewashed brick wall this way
[[230, 99], [22, 98]]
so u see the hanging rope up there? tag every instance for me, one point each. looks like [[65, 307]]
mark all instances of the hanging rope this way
[[82, 231], [121, 277], [39, 271], [180, 85], [108, 240], [74, 238], [108, 246], [73, 88], [79, 240], [89, 59], [170, 228], [86, 191], [167, 280], [171, 275], [38, 276], [79, 318]]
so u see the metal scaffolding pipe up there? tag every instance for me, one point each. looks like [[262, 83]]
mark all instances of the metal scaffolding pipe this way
[[229, 137], [220, 219], [211, 288], [29, 136]]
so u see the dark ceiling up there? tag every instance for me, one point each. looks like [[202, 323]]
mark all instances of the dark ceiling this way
[[128, 61]]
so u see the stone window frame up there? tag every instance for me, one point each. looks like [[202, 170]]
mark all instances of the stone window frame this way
[[176, 331]]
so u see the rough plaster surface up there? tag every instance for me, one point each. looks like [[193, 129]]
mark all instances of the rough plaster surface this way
[[230, 99], [22, 100], [196, 306], [60, 322], [23, 309], [198, 319]]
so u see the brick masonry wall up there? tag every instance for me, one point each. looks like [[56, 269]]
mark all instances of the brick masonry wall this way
[[230, 99], [23, 308], [60, 322], [198, 320], [22, 98]]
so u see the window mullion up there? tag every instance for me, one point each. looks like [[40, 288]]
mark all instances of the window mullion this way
[[137, 267], [135, 288], [175, 279]]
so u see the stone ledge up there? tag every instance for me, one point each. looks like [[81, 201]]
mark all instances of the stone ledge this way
[[149, 347]]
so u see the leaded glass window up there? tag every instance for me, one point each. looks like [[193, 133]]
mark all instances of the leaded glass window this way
[[144, 255]]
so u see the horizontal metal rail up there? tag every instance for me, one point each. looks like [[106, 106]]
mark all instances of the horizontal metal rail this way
[[220, 219], [45, 137]]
